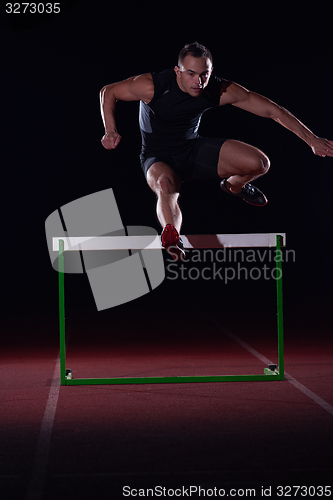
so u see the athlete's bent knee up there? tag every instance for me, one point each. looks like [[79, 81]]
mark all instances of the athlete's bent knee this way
[[166, 185], [163, 185], [260, 164], [265, 164]]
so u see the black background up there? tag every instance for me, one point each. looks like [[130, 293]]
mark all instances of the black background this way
[[53, 70]]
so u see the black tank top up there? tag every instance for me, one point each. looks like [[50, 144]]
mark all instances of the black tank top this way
[[172, 118]]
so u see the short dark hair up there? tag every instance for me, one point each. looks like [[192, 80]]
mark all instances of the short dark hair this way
[[194, 49]]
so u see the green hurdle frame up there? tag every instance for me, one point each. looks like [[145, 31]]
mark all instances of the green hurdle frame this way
[[271, 373]]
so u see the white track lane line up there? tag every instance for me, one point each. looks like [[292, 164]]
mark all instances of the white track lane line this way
[[317, 399], [39, 468]]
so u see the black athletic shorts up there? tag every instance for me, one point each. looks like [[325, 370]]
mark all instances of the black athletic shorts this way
[[197, 162]]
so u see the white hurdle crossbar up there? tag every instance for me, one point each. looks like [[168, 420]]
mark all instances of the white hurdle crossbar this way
[[75, 243], [65, 243]]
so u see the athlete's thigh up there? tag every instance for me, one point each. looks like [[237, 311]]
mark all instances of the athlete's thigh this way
[[206, 158], [161, 172], [237, 158]]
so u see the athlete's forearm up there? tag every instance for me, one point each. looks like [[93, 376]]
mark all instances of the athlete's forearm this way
[[108, 108], [290, 122], [261, 106]]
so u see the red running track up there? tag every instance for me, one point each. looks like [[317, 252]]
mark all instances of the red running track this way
[[88, 441]]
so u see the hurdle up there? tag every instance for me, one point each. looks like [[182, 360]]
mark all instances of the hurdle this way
[[273, 372]]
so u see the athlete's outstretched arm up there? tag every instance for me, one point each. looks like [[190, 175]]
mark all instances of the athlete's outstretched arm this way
[[136, 88], [240, 97]]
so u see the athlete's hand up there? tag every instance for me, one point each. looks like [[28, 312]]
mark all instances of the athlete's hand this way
[[111, 140], [322, 147]]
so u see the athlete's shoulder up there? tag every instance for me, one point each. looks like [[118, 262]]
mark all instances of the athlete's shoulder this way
[[142, 86], [163, 79], [215, 79], [213, 89], [165, 75], [215, 82]]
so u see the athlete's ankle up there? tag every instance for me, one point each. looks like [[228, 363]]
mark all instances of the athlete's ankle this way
[[172, 224], [233, 188]]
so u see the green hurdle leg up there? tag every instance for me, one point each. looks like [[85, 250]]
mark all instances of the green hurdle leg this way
[[278, 369], [279, 306], [61, 273]]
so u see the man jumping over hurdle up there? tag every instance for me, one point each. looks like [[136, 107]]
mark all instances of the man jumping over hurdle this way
[[171, 105]]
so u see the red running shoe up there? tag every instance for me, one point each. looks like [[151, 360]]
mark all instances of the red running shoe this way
[[172, 242]]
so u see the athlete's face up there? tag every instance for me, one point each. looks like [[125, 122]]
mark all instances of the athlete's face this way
[[193, 75]]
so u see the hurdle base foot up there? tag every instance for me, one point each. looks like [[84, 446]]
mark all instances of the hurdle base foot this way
[[68, 374], [271, 370]]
